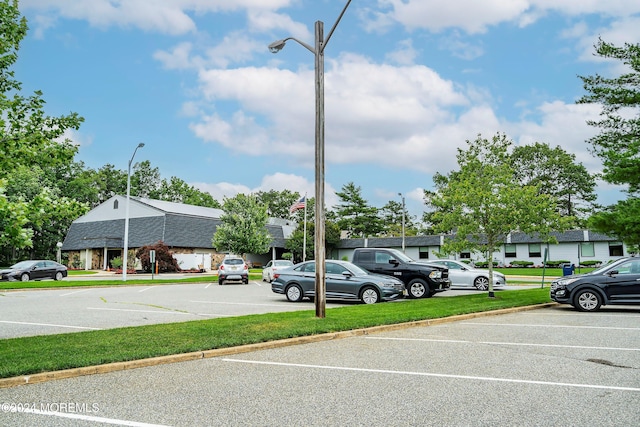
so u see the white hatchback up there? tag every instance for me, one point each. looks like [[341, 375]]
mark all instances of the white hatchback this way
[[269, 271]]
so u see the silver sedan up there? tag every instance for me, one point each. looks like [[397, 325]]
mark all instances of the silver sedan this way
[[462, 274]]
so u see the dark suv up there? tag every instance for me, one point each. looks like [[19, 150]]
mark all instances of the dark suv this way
[[615, 283]]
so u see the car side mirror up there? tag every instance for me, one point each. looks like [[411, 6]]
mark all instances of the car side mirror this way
[[612, 272], [394, 262], [347, 274]]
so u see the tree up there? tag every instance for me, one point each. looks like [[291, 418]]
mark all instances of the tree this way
[[354, 215], [618, 143], [481, 203], [295, 242], [391, 217], [164, 258], [556, 173], [145, 181], [278, 202], [243, 229], [32, 146]]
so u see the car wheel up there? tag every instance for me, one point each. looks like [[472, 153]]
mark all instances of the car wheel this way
[[221, 282], [294, 293], [587, 300], [245, 281], [481, 283], [369, 295], [417, 288], [24, 277], [58, 276]]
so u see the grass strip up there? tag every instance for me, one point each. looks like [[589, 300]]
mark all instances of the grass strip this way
[[45, 353]]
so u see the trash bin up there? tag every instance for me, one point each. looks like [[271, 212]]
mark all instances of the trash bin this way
[[568, 269]]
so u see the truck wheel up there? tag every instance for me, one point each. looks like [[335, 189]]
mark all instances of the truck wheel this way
[[417, 288]]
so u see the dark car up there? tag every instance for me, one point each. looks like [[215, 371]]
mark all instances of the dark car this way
[[34, 270], [615, 283], [344, 280]]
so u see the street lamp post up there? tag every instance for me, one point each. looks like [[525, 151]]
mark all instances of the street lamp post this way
[[403, 246], [126, 217], [318, 52]]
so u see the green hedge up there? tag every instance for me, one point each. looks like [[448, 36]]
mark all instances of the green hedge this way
[[517, 263]]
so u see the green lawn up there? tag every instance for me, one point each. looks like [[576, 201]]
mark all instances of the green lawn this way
[[537, 272], [23, 356]]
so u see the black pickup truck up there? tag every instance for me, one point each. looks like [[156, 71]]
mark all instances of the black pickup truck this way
[[422, 280]]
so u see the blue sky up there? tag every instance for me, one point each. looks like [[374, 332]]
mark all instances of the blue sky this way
[[407, 82]]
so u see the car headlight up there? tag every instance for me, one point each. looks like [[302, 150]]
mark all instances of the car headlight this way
[[437, 274], [565, 282]]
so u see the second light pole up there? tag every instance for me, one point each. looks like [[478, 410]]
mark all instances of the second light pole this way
[[403, 246], [320, 252], [126, 217]]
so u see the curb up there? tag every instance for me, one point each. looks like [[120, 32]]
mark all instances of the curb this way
[[185, 357]]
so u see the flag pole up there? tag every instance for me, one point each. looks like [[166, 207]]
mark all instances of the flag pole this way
[[304, 237]]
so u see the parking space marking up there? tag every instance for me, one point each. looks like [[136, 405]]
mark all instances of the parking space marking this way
[[435, 375], [527, 325], [74, 292], [88, 418], [50, 324], [140, 311], [241, 303], [146, 289], [581, 347]]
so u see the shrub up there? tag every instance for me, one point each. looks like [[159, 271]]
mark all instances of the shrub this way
[[164, 258], [517, 263], [557, 263], [116, 262], [484, 264], [590, 263]]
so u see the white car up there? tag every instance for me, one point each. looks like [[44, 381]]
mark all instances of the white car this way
[[462, 274], [269, 271]]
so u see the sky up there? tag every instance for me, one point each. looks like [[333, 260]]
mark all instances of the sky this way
[[407, 83]]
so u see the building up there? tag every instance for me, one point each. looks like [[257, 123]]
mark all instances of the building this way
[[97, 237], [574, 246]]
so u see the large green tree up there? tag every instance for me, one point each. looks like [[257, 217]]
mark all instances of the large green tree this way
[[555, 172], [296, 241], [391, 216], [243, 229], [618, 143], [355, 215], [278, 202], [32, 149], [481, 203]]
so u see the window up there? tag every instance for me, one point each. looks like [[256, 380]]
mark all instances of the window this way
[[465, 255], [615, 249], [534, 250], [383, 258], [115, 204], [510, 250], [587, 249], [423, 253]]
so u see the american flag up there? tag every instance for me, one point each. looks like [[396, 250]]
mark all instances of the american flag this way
[[298, 205]]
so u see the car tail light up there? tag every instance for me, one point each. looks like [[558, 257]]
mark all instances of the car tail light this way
[[246, 267], [275, 275], [221, 266]]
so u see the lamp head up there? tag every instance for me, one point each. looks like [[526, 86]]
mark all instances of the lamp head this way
[[277, 46], [141, 145]]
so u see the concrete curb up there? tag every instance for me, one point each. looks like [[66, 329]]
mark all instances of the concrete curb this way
[[185, 357]]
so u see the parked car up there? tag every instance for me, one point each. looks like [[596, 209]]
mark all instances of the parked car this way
[[233, 268], [615, 283], [272, 267], [462, 274], [34, 270], [422, 280], [344, 280]]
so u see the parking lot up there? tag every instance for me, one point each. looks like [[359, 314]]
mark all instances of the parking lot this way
[[55, 311], [546, 367]]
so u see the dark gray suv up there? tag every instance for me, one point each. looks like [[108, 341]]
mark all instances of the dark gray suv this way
[[615, 283]]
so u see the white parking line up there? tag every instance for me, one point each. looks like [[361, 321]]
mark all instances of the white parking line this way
[[140, 311], [550, 326], [242, 303], [87, 418], [507, 343], [50, 324], [146, 289], [74, 292], [430, 374]]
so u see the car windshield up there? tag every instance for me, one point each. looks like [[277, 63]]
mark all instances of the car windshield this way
[[282, 264], [607, 267], [400, 255], [23, 264], [233, 261]]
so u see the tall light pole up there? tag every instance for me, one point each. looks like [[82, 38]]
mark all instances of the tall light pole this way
[[400, 194], [320, 253], [126, 216]]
